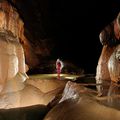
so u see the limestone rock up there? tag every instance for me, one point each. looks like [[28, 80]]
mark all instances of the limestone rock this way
[[46, 85], [79, 103], [18, 94], [14, 92], [102, 67], [11, 22], [109, 37], [114, 65]]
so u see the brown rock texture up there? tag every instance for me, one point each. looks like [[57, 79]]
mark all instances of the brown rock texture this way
[[11, 22], [114, 65], [102, 67], [80, 103], [109, 38], [13, 91]]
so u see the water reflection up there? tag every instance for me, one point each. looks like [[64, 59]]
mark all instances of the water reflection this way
[[112, 98], [108, 92]]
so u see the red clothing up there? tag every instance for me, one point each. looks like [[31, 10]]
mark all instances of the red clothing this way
[[58, 67]]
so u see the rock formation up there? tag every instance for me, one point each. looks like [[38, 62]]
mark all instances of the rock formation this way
[[114, 65], [10, 21], [14, 92], [80, 103], [47, 85], [39, 45], [110, 38]]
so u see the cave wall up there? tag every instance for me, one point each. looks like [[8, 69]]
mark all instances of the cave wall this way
[[34, 16], [11, 21], [51, 25]]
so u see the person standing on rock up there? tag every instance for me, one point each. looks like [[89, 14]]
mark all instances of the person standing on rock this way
[[59, 66]]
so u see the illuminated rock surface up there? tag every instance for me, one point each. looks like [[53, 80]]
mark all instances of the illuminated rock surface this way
[[107, 68], [46, 85], [14, 92], [77, 102], [109, 42], [114, 65], [11, 22], [80, 103]]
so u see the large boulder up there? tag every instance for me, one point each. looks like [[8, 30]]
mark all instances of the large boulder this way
[[80, 103], [110, 38]]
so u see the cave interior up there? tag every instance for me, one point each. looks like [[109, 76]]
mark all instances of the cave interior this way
[[66, 29]]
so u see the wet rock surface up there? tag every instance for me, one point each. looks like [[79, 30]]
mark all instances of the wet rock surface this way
[[80, 103], [34, 98]]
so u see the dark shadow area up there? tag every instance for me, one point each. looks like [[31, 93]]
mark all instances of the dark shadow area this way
[[36, 112], [72, 28]]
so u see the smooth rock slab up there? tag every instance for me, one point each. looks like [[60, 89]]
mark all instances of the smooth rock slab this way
[[78, 103]]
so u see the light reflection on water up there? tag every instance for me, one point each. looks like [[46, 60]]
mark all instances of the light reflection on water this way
[[54, 76], [112, 98], [111, 92]]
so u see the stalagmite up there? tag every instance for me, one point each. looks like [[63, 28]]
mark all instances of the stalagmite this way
[[14, 91]]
